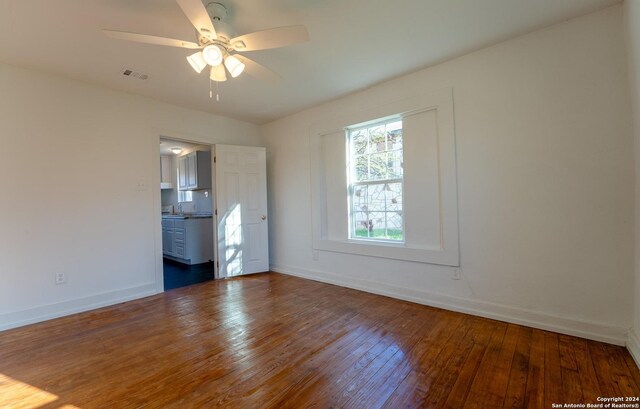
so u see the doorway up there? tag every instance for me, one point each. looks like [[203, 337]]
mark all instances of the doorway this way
[[186, 186]]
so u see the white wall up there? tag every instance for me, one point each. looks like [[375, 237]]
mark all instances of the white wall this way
[[73, 155], [632, 25], [545, 178]]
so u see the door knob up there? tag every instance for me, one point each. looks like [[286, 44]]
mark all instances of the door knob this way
[[264, 217]]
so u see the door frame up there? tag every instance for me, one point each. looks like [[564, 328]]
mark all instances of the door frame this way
[[156, 134]]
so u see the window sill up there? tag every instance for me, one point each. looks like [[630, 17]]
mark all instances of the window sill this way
[[396, 251], [377, 242]]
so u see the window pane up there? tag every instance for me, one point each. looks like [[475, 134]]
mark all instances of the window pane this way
[[394, 164], [362, 168], [376, 200], [359, 142], [394, 141], [359, 198], [378, 225], [394, 226], [394, 126], [362, 224], [394, 197], [377, 139], [378, 166]]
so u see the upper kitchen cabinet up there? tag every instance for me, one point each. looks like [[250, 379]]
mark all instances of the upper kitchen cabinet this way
[[194, 170], [166, 172]]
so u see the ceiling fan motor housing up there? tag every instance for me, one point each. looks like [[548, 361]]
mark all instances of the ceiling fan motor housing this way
[[218, 13]]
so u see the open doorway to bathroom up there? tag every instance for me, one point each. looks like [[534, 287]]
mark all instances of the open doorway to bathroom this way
[[187, 213]]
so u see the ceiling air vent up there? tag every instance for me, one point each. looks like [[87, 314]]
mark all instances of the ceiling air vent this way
[[128, 72]]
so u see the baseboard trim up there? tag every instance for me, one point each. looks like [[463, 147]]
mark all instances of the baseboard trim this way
[[633, 345], [50, 311], [578, 328]]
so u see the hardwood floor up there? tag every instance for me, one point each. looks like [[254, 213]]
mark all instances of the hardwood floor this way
[[273, 341]]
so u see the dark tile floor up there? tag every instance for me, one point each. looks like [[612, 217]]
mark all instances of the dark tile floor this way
[[180, 275]]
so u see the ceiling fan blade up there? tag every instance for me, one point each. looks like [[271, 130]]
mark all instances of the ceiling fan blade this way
[[271, 38], [149, 39], [258, 71], [197, 14]]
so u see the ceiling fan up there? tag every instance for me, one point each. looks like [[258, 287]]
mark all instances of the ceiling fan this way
[[218, 49]]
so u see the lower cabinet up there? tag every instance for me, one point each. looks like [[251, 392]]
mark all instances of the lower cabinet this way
[[188, 241], [167, 237]]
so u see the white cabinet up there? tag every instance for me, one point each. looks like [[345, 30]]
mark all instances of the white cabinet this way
[[192, 170], [188, 241], [182, 174], [166, 172], [179, 228], [167, 237], [195, 171]]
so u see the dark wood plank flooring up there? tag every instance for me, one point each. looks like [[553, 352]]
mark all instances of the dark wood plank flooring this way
[[274, 341]]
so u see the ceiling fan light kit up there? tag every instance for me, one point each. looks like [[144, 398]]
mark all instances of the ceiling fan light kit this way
[[197, 61], [218, 73], [217, 47], [234, 65], [212, 55]]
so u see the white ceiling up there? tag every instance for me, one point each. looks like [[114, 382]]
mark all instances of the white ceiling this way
[[166, 144], [354, 44]]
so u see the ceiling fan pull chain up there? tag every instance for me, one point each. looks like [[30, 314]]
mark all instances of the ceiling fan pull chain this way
[[211, 90]]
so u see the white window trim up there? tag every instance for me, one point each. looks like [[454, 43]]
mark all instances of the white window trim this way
[[448, 253]]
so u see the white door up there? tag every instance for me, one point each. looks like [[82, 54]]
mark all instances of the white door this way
[[241, 204]]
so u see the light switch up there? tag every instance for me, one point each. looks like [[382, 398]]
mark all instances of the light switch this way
[[141, 186]]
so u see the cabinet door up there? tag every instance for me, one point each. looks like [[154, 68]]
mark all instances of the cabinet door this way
[[179, 238], [166, 175], [182, 174], [168, 245], [179, 251], [192, 173]]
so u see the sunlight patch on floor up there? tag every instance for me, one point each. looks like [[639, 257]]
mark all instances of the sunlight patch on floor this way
[[19, 395], [16, 394]]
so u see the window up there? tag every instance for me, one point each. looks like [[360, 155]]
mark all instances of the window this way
[[184, 196], [375, 176], [386, 187]]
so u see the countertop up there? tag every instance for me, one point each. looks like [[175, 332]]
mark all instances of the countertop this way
[[188, 216]]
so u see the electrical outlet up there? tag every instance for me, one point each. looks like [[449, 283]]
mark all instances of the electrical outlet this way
[[457, 273], [61, 278]]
